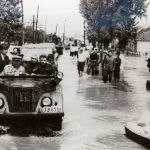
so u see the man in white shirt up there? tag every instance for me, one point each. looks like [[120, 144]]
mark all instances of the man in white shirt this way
[[15, 68], [81, 62]]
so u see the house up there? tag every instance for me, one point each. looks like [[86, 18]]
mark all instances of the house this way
[[143, 43]]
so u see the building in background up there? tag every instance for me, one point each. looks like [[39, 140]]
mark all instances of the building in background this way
[[143, 43]]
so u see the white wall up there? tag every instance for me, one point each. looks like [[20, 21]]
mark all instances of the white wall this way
[[144, 48]]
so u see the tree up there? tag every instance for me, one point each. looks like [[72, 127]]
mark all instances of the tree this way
[[41, 35], [112, 15], [10, 24]]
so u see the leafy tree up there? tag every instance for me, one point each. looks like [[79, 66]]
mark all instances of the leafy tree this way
[[113, 15], [41, 35], [10, 24]]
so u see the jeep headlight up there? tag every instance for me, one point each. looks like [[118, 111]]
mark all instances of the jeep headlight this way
[[46, 101], [1, 103], [60, 75]]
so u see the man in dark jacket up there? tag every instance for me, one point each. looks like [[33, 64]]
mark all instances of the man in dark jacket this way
[[44, 68], [4, 59], [117, 64]]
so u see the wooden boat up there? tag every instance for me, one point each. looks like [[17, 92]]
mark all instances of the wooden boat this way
[[138, 133]]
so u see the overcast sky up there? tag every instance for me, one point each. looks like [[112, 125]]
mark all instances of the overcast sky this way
[[56, 12]]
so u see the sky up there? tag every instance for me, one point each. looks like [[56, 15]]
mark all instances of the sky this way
[[55, 12], [61, 13]]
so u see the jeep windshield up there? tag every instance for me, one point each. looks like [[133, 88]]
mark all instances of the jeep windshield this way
[[36, 49]]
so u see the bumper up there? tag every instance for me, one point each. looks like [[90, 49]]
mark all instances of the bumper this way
[[12, 119]]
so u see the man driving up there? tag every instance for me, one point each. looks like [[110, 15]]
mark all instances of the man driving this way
[[15, 68]]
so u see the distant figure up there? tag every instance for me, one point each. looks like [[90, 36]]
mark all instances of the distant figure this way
[[4, 59], [87, 55], [105, 67], [81, 62], [54, 38], [74, 50], [93, 63], [16, 51], [110, 65], [117, 64], [148, 64]]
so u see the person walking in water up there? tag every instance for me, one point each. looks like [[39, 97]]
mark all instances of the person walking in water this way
[[81, 62], [117, 64], [110, 66]]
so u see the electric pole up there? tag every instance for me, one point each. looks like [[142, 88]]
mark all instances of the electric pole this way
[[45, 29], [33, 30], [21, 1], [84, 31], [56, 28], [36, 24], [64, 31]]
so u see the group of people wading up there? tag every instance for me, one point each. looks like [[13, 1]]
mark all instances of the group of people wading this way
[[107, 62]]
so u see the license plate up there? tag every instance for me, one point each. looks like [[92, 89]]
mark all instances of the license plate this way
[[53, 109]]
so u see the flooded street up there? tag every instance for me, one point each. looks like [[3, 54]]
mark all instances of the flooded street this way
[[95, 112]]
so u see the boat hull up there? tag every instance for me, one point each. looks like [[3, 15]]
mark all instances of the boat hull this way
[[137, 138]]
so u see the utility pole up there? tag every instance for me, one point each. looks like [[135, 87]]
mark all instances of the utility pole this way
[[36, 24], [64, 31], [33, 30], [45, 29], [21, 1], [56, 28], [84, 30]]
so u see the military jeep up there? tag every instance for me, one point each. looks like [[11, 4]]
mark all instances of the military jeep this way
[[31, 99]]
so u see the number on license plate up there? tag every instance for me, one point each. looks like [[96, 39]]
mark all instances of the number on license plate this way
[[52, 110]]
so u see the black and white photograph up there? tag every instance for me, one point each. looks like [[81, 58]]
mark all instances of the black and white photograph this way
[[74, 74]]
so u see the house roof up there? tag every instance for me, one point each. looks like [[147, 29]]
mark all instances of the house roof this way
[[143, 35]]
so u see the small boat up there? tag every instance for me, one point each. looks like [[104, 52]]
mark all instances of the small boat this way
[[139, 133]]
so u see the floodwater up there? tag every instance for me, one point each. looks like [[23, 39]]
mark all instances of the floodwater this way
[[95, 112]]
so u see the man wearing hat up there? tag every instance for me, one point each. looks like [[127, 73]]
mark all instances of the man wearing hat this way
[[4, 59], [15, 68]]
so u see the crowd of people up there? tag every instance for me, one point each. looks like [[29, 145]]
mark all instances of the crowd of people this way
[[108, 61], [44, 65], [96, 61], [53, 38]]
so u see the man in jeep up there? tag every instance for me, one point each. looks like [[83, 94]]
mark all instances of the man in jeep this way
[[32, 65], [44, 68], [53, 67], [15, 68]]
